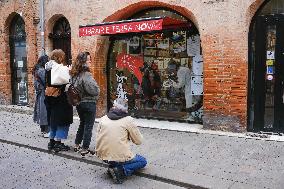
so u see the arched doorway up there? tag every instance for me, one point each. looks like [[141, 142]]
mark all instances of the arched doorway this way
[[163, 78], [18, 61], [61, 37], [266, 68]]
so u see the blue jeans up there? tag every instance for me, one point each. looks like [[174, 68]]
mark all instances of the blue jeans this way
[[58, 131], [87, 114], [129, 167]]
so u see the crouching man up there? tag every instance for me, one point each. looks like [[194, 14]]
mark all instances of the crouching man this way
[[115, 131]]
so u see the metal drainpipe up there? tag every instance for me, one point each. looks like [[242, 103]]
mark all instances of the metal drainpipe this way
[[42, 27]]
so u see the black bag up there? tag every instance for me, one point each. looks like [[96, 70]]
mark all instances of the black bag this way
[[73, 95]]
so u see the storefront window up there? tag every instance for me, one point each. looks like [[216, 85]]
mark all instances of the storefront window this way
[[160, 73]]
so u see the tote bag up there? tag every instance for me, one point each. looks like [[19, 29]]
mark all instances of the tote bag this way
[[59, 74]]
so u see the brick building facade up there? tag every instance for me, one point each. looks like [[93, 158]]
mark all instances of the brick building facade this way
[[223, 26]]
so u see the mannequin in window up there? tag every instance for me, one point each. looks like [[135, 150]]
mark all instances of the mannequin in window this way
[[184, 80]]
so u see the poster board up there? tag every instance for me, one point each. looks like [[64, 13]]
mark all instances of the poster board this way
[[193, 45], [197, 65], [197, 85]]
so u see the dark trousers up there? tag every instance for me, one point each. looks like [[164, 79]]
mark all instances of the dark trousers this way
[[44, 128], [87, 114], [129, 167]]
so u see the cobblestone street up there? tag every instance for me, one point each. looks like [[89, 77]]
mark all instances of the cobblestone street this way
[[175, 158]]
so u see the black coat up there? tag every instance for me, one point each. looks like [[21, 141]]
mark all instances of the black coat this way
[[59, 110]]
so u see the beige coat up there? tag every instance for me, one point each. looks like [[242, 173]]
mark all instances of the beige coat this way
[[113, 139]]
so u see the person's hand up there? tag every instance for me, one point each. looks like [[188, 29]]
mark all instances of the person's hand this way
[[69, 67]]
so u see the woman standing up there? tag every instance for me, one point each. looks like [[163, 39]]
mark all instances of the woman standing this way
[[89, 93], [59, 110], [40, 114]]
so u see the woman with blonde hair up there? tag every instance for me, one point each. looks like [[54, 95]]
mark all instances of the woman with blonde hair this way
[[60, 112], [89, 92]]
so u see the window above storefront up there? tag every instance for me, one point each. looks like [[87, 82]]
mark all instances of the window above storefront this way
[[158, 12], [273, 7]]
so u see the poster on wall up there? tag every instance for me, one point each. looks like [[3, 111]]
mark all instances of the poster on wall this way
[[166, 62], [134, 45], [22, 91], [150, 43], [120, 91], [159, 63], [193, 45], [184, 62], [163, 43], [197, 85], [131, 63], [197, 65], [179, 41]]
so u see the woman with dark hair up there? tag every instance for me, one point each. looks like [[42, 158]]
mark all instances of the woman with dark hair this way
[[89, 92], [60, 112], [40, 114]]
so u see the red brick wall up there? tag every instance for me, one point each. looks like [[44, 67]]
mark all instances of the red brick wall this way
[[8, 10], [223, 26]]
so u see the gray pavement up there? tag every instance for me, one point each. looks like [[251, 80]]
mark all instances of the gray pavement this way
[[205, 160], [23, 168]]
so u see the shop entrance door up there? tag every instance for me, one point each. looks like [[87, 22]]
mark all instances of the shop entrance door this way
[[18, 62], [269, 74]]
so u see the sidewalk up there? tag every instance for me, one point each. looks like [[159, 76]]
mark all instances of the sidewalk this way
[[195, 156]]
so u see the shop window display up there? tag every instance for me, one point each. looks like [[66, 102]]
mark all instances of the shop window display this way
[[161, 74]]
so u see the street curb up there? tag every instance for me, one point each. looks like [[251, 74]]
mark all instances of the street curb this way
[[247, 135], [18, 109]]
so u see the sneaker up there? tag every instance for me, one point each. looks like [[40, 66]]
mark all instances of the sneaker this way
[[109, 172], [51, 144], [45, 135], [64, 147], [85, 153], [117, 175], [57, 147], [77, 148]]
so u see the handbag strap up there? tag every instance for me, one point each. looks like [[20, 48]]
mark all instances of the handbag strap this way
[[74, 81]]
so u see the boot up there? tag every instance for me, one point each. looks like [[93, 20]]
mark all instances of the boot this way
[[117, 175], [51, 144], [57, 146]]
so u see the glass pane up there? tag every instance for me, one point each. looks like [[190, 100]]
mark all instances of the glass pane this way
[[270, 77], [157, 13], [273, 7], [19, 61], [158, 75]]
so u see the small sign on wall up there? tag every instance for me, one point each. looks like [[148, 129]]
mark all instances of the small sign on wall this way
[[269, 62], [270, 55], [20, 64], [270, 70], [197, 85]]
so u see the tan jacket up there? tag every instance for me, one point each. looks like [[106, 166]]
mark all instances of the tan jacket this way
[[113, 139]]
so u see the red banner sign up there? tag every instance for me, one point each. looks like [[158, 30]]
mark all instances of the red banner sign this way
[[128, 27]]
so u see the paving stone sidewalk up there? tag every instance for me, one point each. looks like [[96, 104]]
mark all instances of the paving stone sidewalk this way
[[205, 160]]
